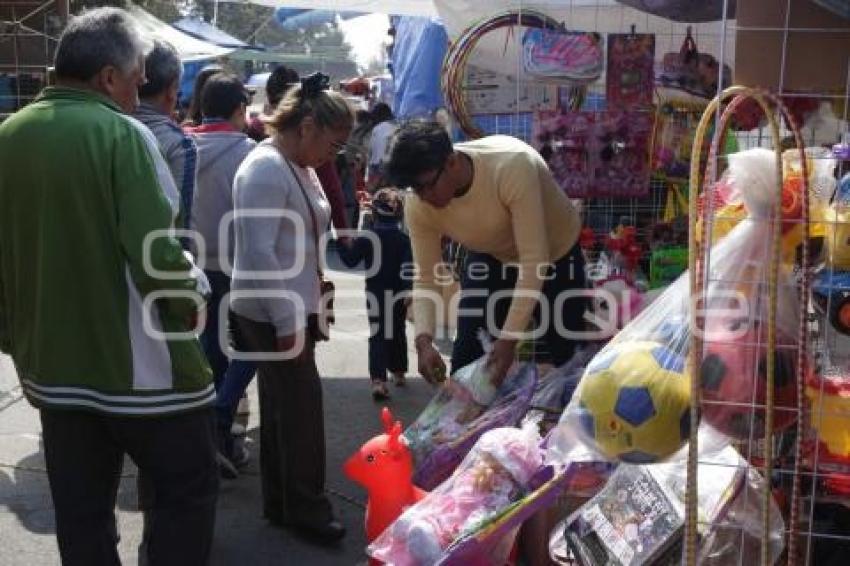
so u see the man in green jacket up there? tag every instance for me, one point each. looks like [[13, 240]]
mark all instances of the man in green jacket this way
[[96, 300]]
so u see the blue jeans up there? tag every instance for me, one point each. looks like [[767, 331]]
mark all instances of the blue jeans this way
[[231, 377]]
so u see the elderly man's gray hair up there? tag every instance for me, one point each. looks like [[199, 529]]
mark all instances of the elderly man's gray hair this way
[[96, 39], [162, 69]]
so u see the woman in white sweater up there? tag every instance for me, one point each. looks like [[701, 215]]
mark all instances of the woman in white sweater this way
[[280, 215]]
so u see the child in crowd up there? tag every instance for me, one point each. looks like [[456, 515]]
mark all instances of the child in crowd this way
[[387, 289]]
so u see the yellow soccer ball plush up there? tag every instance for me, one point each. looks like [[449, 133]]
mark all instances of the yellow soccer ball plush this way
[[634, 401]]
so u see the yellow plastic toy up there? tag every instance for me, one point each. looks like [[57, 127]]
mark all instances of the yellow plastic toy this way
[[838, 242], [830, 416]]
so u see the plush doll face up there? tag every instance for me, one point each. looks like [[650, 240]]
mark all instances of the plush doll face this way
[[489, 473]]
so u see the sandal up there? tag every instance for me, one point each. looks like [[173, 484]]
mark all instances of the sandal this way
[[379, 391]]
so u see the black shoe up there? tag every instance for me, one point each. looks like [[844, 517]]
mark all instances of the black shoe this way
[[379, 390]]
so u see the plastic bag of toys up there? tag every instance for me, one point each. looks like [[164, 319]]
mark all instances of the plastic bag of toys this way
[[633, 402], [556, 388], [638, 516], [466, 407], [493, 477], [730, 204]]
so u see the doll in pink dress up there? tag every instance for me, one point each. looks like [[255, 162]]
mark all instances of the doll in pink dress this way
[[494, 475]]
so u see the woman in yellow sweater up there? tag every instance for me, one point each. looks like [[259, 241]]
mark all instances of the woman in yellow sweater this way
[[496, 197]]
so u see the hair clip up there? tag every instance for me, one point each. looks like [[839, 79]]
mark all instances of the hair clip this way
[[312, 85]]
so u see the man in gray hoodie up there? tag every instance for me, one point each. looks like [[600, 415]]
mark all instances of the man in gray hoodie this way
[[222, 145], [158, 98]]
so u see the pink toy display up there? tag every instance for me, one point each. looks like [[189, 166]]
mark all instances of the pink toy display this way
[[734, 373], [384, 466], [494, 476]]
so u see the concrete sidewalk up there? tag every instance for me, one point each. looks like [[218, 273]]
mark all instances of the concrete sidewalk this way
[[242, 536]]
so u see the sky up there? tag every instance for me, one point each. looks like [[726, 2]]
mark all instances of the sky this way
[[367, 36]]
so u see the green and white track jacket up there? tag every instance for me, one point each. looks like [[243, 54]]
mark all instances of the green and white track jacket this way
[[84, 299]]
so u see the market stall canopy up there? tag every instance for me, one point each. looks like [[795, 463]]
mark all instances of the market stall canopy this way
[[289, 19], [205, 31], [392, 7], [189, 48]]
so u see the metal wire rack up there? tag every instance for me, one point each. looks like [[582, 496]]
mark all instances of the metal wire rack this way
[[28, 33]]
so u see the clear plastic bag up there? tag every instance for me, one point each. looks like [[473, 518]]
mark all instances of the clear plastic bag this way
[[463, 409], [556, 388], [494, 476], [632, 404], [649, 528]]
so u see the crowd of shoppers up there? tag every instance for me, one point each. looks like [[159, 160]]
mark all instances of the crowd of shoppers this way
[[100, 296]]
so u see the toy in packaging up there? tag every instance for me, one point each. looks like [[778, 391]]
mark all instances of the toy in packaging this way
[[629, 81], [494, 476], [597, 154], [691, 71], [556, 388], [831, 298], [842, 150], [630, 521], [666, 265], [466, 407], [638, 516], [671, 146], [563, 56], [838, 242]]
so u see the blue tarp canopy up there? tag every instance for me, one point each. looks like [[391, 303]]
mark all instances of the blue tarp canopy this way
[[290, 19], [205, 31], [418, 53]]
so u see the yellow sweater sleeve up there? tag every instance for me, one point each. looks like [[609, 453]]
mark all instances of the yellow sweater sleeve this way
[[520, 191], [427, 254]]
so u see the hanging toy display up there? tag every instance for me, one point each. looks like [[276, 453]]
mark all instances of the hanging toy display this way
[[454, 67]]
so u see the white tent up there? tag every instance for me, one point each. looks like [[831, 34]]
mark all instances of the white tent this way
[[189, 48], [392, 7]]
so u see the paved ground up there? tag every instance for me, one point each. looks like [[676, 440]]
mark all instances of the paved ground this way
[[242, 537]]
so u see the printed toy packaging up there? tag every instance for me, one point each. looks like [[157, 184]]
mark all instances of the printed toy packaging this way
[[493, 477], [463, 409]]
